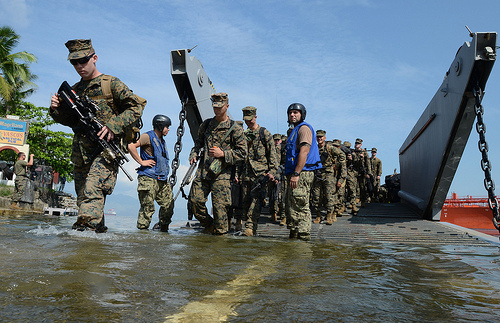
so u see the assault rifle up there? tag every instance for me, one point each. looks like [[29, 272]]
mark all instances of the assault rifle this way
[[85, 110], [189, 176]]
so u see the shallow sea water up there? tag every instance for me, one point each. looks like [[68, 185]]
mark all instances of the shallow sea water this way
[[50, 273]]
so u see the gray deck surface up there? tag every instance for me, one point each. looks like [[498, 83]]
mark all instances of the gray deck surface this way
[[384, 223]]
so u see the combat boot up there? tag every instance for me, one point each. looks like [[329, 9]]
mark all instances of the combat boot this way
[[274, 217], [354, 209], [209, 230], [14, 206], [248, 232], [304, 236], [330, 218], [293, 234], [283, 221], [238, 225], [318, 219]]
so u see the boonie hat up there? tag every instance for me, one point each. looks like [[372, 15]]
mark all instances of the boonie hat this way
[[79, 48], [320, 133], [249, 112]]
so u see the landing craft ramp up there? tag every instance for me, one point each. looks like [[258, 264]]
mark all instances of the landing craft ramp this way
[[430, 155]]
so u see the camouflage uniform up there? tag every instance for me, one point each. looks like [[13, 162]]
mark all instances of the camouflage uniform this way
[[361, 167], [20, 181], [260, 161], [323, 184], [340, 174], [274, 189], [94, 177], [351, 180], [282, 201], [376, 164], [210, 135]]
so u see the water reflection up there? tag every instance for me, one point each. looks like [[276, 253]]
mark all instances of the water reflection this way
[[51, 273]]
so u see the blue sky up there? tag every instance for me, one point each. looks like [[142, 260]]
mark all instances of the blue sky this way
[[362, 68]]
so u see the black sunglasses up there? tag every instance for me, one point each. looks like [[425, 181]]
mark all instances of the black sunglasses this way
[[82, 60]]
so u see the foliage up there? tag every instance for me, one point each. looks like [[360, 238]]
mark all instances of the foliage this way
[[16, 79], [50, 147]]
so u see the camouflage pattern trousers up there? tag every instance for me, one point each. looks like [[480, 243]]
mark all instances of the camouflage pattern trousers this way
[[297, 204], [93, 182], [351, 186], [220, 188], [20, 185], [149, 191], [323, 192], [252, 204]]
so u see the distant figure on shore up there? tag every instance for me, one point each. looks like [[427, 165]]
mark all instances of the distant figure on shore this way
[[21, 178]]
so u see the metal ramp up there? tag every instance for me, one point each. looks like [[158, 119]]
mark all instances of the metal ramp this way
[[382, 223]]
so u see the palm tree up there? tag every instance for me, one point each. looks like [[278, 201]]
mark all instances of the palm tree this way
[[16, 79]]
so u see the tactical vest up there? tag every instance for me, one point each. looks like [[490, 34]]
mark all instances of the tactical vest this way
[[313, 161], [161, 169]]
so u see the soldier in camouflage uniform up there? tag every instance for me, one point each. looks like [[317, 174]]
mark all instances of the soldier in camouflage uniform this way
[[214, 171], [119, 109], [351, 180], [340, 175], [284, 183], [261, 161], [362, 168], [152, 177], [21, 178], [274, 186], [323, 184], [377, 172]]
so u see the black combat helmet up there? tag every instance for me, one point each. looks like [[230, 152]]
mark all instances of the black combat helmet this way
[[160, 122], [300, 107]]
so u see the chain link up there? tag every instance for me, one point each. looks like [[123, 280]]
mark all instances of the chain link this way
[[178, 144], [489, 184]]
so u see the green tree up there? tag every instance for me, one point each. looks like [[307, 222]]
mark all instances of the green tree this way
[[16, 79], [50, 147]]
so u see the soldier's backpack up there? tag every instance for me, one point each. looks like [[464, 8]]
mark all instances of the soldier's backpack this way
[[131, 132]]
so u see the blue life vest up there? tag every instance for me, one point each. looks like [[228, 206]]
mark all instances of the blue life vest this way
[[161, 169], [292, 151]]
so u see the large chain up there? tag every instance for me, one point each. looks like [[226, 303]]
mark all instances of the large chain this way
[[485, 162], [178, 144]]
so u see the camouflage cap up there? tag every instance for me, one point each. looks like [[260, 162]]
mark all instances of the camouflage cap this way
[[374, 150], [79, 48], [359, 141], [347, 144], [249, 112], [277, 136], [219, 99], [336, 142], [320, 133]]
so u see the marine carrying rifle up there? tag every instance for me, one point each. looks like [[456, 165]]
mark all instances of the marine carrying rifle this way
[[85, 110], [189, 175]]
